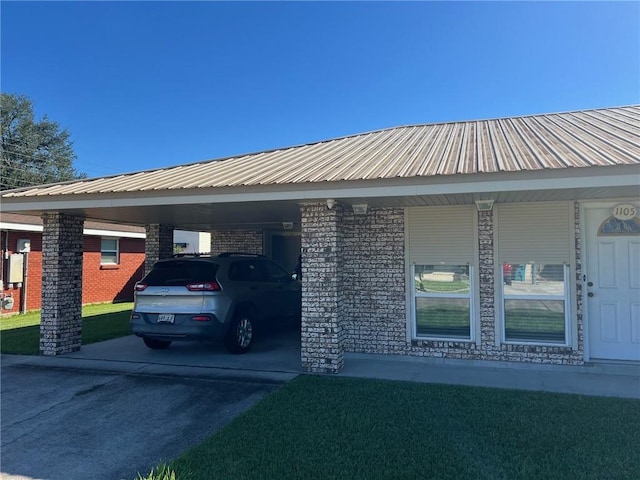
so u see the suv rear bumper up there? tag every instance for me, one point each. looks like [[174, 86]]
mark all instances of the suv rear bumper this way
[[145, 325]]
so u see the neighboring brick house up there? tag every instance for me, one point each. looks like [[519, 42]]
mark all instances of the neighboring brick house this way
[[113, 260], [512, 239]]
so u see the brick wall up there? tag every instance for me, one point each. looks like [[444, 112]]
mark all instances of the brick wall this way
[[34, 271], [158, 244], [109, 283], [61, 319], [245, 241], [99, 283]]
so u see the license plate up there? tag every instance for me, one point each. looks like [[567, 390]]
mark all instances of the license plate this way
[[166, 318]]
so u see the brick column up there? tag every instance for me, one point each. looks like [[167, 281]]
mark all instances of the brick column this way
[[487, 283], [158, 244], [245, 241], [61, 319], [323, 336]]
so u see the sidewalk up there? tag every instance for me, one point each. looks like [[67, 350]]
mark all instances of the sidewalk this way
[[609, 380], [278, 359]]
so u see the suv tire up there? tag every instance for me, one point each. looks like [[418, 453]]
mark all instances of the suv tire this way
[[156, 344], [239, 337]]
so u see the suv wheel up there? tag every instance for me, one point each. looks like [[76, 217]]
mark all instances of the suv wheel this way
[[239, 337], [156, 344]]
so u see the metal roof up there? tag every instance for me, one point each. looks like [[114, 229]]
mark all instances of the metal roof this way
[[589, 138]]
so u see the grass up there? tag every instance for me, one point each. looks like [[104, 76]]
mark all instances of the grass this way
[[433, 286], [20, 334], [340, 428]]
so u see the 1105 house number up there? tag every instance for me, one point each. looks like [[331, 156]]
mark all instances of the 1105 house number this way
[[625, 211]]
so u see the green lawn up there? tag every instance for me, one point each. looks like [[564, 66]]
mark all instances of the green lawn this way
[[20, 334], [328, 427]]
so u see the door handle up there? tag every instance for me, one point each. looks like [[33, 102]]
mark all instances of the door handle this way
[[589, 284], [590, 294]]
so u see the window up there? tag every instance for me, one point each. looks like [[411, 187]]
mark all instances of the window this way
[[109, 251], [179, 272], [247, 271], [443, 307], [276, 273], [535, 302]]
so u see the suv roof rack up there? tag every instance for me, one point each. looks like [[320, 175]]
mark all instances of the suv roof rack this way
[[241, 254], [176, 255]]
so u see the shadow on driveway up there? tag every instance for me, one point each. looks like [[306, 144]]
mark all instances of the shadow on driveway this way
[[117, 408]]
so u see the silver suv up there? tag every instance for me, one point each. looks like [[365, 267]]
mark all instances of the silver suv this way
[[198, 297]]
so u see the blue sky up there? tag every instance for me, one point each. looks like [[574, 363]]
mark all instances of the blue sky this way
[[151, 84]]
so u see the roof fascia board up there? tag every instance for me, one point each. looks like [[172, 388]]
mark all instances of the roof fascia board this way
[[603, 177], [25, 227]]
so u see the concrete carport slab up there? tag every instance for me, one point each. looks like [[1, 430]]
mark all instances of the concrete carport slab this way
[[277, 352]]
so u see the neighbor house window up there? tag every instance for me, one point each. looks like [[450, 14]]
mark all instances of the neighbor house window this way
[[535, 302], [109, 254], [442, 301]]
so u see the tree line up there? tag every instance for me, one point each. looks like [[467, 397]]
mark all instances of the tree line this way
[[33, 152]]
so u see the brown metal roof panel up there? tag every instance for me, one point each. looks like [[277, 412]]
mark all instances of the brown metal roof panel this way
[[591, 150], [504, 161], [520, 145], [565, 142], [370, 161], [450, 155], [299, 161], [317, 172], [545, 154], [620, 146], [227, 172], [423, 138], [434, 153], [402, 155], [484, 149], [621, 117], [624, 140]]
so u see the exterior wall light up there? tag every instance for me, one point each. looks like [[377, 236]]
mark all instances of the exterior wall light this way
[[360, 209], [484, 205], [287, 225], [331, 203]]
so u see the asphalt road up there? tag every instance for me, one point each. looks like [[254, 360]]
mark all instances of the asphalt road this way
[[71, 423]]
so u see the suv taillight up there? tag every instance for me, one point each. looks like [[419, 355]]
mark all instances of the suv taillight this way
[[204, 287], [140, 287]]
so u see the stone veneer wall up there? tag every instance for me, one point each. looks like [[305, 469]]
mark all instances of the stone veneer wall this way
[[323, 335], [373, 286], [158, 244], [61, 322], [245, 241], [373, 302]]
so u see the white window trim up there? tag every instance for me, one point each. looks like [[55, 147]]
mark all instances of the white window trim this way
[[117, 251], [567, 310], [473, 294]]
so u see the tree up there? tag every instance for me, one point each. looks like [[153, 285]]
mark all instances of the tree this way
[[33, 152]]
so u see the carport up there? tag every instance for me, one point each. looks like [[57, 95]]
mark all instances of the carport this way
[[348, 199]]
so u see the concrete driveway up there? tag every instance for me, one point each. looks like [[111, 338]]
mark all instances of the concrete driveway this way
[[117, 408]]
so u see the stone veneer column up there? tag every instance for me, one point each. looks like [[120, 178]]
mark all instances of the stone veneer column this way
[[323, 335], [61, 319], [245, 241], [487, 283], [158, 244], [579, 272]]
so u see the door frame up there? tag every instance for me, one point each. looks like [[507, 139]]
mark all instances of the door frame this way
[[586, 248]]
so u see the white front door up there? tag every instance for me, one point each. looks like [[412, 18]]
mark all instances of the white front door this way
[[612, 283]]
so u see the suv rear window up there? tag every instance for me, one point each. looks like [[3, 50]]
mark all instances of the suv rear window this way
[[180, 272]]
